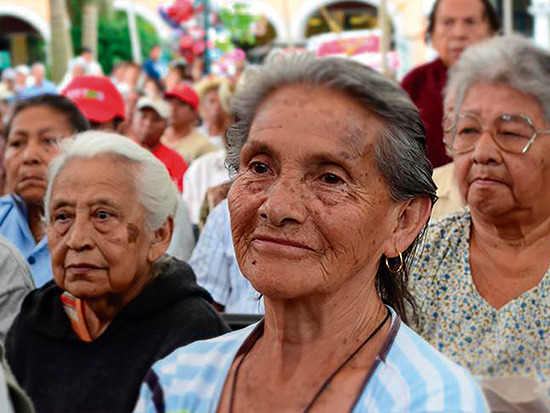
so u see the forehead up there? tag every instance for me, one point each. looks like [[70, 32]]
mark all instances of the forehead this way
[[101, 177], [491, 99], [39, 117], [328, 116], [460, 8]]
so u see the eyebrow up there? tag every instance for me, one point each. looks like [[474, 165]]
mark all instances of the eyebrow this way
[[61, 203], [342, 157]]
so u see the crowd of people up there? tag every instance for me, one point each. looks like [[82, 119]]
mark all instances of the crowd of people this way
[[141, 210]]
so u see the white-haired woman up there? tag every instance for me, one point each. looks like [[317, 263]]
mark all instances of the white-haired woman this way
[[117, 304], [484, 280]]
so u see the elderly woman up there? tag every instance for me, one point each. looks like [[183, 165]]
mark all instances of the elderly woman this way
[[453, 26], [86, 340], [332, 190], [33, 130], [483, 282]]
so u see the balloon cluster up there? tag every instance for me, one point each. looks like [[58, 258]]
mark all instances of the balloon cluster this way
[[182, 16]]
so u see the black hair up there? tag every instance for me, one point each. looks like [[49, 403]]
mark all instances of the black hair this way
[[58, 103], [489, 13], [85, 49]]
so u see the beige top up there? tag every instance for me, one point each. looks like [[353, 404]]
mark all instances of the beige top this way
[[191, 146], [450, 199]]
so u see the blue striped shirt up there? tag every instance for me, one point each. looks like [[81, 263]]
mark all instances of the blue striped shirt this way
[[410, 377], [215, 265]]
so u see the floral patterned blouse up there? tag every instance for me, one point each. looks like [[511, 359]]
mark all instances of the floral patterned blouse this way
[[457, 321]]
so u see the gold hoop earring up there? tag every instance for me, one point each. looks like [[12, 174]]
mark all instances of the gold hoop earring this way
[[399, 267]]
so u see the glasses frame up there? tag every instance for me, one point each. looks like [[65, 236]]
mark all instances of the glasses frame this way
[[449, 138]]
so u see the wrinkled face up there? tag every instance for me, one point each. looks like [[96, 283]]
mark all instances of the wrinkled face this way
[[30, 147], [182, 114], [210, 107], [97, 235], [309, 210], [458, 24], [148, 127], [495, 182]]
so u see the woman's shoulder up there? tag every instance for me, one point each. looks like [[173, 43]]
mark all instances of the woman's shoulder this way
[[414, 377], [192, 376]]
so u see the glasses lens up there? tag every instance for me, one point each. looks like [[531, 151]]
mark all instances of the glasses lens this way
[[467, 132], [513, 132]]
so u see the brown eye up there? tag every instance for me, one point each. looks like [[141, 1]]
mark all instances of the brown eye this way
[[331, 179], [259, 167]]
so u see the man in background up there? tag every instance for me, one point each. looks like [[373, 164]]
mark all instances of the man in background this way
[[182, 134]]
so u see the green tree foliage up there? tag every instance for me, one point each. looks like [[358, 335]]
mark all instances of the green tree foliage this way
[[114, 38]]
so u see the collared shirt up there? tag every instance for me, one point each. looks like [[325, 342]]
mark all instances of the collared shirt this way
[[215, 265], [409, 376], [14, 225], [459, 322]]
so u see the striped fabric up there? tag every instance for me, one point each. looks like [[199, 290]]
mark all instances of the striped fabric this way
[[214, 263], [412, 377]]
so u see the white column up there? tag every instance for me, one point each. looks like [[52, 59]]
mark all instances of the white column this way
[[132, 27], [508, 16], [540, 9]]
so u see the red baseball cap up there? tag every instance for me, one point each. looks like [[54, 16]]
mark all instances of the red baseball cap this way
[[96, 97], [185, 93]]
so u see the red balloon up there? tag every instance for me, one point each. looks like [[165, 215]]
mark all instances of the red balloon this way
[[186, 42]]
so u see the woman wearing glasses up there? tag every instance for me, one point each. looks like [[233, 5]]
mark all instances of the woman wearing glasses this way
[[483, 283]]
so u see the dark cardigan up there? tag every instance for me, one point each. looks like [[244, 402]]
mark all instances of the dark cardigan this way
[[60, 373]]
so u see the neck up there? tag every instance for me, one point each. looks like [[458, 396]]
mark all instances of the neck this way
[[182, 130], [216, 128], [510, 232], [101, 311], [320, 322], [35, 212]]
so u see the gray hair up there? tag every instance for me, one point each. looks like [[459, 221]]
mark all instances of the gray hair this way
[[400, 153], [155, 189], [512, 60]]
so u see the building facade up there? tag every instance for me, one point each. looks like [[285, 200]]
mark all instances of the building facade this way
[[25, 22]]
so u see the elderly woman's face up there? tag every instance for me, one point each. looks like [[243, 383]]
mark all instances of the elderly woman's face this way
[[494, 181], [30, 147], [458, 24], [309, 210], [97, 236]]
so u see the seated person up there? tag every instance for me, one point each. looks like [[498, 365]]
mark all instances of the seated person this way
[[33, 130], [84, 341], [16, 282], [214, 263], [326, 209], [182, 133], [483, 282]]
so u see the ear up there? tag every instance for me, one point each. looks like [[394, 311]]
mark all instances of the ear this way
[[414, 214], [161, 240]]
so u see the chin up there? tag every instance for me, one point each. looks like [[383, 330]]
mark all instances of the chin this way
[[283, 283]]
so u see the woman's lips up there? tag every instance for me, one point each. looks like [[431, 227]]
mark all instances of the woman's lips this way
[[280, 246]]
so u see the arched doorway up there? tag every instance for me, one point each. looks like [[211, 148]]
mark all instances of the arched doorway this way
[[348, 15], [21, 41]]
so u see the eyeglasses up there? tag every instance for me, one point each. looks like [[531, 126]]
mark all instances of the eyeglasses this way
[[513, 133]]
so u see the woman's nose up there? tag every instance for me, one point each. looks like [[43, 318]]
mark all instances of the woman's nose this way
[[284, 204], [486, 149], [33, 152], [79, 236]]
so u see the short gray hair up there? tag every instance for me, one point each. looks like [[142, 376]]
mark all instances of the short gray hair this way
[[154, 187], [400, 153], [513, 60]]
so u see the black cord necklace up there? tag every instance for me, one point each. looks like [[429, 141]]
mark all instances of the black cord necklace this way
[[325, 384]]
